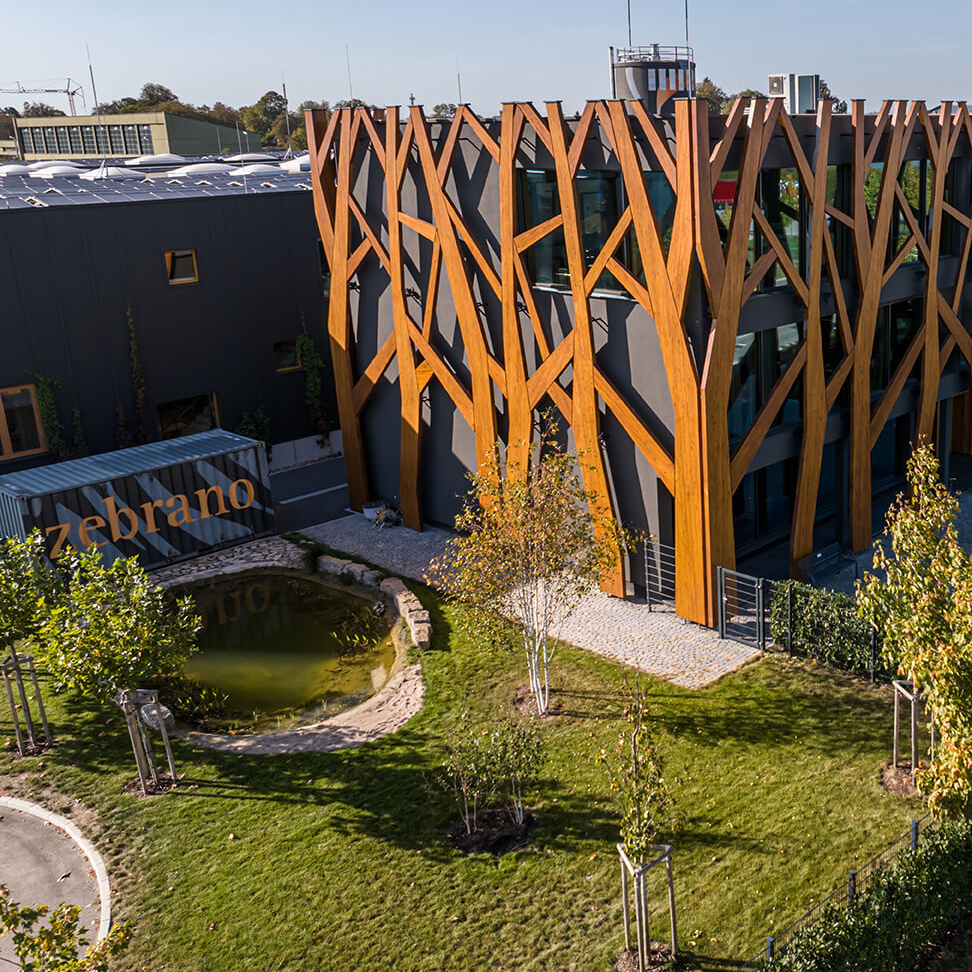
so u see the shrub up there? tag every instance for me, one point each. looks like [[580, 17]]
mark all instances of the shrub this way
[[890, 925], [468, 770], [516, 751], [824, 625], [492, 766]]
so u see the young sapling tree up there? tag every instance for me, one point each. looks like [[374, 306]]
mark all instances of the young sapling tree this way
[[531, 542]]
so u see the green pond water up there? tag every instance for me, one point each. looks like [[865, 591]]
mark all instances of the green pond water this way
[[286, 649]]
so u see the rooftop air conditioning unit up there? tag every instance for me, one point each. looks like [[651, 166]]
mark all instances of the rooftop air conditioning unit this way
[[800, 92]]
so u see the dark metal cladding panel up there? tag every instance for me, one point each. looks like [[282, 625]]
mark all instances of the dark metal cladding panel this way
[[167, 514]]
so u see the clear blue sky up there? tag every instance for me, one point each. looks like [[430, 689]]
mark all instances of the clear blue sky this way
[[508, 50]]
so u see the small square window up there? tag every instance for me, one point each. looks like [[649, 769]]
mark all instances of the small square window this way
[[285, 356], [188, 416], [181, 266]]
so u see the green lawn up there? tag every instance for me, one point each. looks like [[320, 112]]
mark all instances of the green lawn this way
[[339, 861]]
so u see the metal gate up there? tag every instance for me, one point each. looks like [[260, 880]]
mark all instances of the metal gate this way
[[742, 607]]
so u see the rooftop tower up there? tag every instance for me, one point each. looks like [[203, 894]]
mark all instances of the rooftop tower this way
[[653, 75]]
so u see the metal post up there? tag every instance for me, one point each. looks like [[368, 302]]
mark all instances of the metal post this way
[[625, 906], [851, 886], [40, 702], [671, 902], [770, 947], [914, 730], [647, 576], [914, 835], [721, 581], [789, 618], [760, 632], [13, 711], [897, 706]]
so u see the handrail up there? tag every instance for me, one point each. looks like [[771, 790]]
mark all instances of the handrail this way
[[654, 52]]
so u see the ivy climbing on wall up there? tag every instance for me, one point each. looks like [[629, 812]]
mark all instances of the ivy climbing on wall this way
[[143, 431], [50, 422], [313, 365]]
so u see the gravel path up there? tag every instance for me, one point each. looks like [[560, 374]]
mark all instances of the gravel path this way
[[626, 631]]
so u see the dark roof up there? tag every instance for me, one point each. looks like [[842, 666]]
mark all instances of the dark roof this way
[[27, 192], [76, 473]]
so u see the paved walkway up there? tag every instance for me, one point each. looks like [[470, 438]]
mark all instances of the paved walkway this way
[[44, 860], [653, 641]]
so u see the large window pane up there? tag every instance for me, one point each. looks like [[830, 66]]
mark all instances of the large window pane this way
[[187, 416], [744, 389], [20, 417], [780, 191], [598, 204], [546, 259], [780, 346]]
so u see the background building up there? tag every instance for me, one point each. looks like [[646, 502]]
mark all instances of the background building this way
[[121, 136], [218, 276]]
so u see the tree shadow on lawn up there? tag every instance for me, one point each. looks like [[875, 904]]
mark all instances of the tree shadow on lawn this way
[[771, 714]]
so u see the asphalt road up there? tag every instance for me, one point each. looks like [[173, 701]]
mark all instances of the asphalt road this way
[[42, 865]]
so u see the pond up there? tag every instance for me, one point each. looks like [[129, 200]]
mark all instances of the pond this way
[[287, 649]]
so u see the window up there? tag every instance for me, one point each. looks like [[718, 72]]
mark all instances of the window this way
[[88, 138], [956, 195], [181, 266], [285, 356], [187, 416], [598, 202], [782, 203], [759, 361], [145, 144], [117, 141], [74, 134], [897, 325], [61, 134], [20, 425], [131, 139]]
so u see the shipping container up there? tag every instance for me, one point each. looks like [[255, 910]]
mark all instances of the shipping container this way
[[162, 502]]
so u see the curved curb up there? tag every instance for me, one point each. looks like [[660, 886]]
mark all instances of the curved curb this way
[[398, 701], [94, 858]]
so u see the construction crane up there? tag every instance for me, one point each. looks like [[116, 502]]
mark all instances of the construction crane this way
[[70, 88]]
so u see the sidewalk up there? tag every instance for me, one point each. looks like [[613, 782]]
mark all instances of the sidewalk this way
[[44, 860], [653, 641]]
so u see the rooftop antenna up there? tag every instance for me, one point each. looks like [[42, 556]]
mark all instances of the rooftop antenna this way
[[629, 23], [347, 54], [239, 143], [458, 79], [94, 93], [686, 24], [411, 99], [290, 147]]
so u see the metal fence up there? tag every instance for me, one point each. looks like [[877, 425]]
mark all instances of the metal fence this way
[[858, 882], [742, 607], [804, 621], [657, 562]]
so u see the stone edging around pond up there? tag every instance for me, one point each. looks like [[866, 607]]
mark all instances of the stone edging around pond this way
[[384, 713]]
